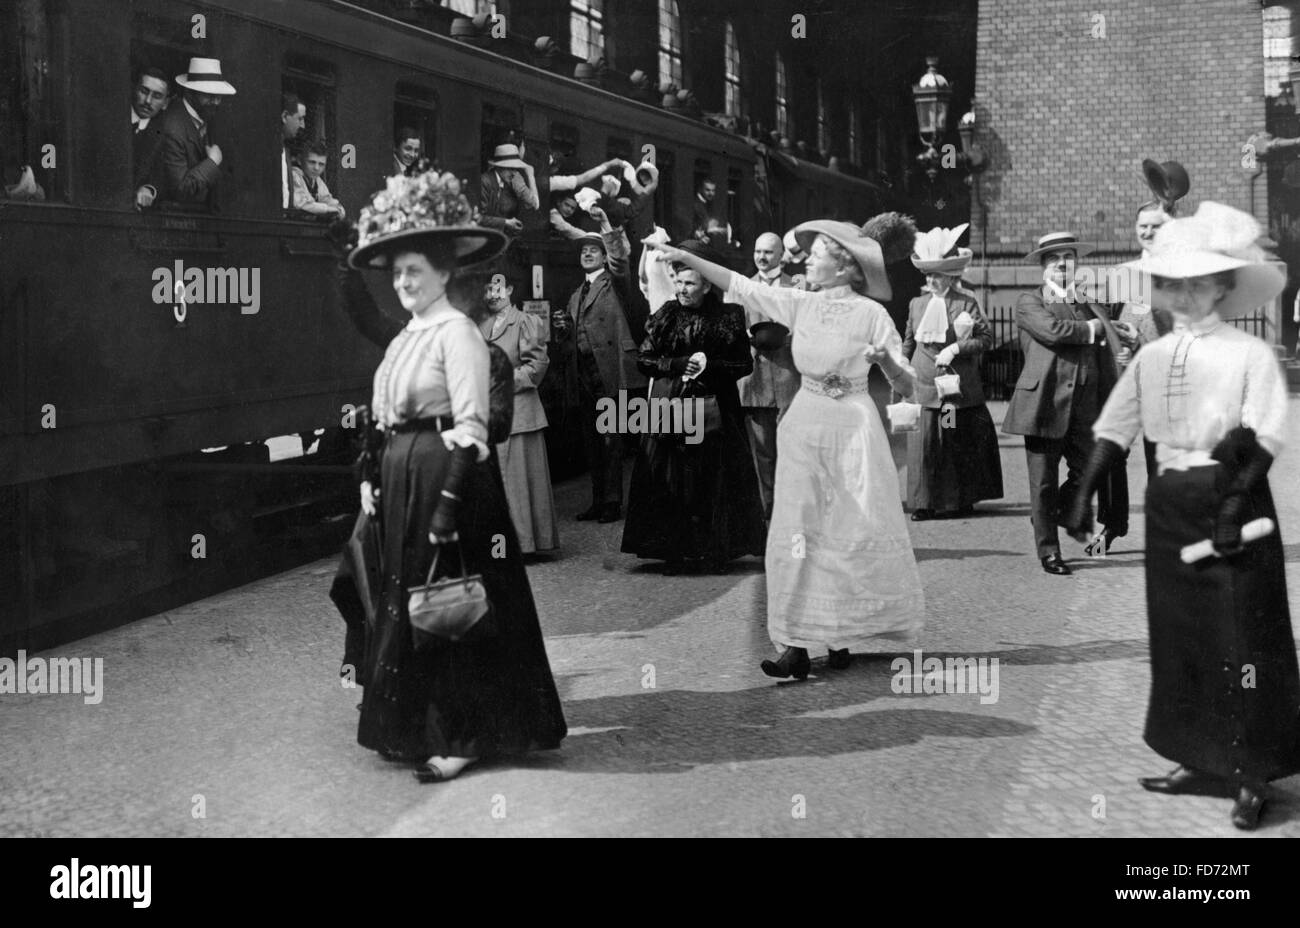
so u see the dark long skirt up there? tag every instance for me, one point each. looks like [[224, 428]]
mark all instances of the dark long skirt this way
[[1225, 690], [955, 467], [695, 501], [489, 694]]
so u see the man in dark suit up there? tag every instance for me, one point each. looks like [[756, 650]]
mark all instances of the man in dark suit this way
[[594, 343], [187, 166], [505, 188], [1069, 344], [149, 97], [767, 393]]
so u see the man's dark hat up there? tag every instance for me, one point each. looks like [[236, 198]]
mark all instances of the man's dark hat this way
[[700, 250], [768, 335], [1168, 181]]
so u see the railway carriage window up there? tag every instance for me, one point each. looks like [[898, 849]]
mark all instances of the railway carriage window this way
[[734, 179], [619, 148], [564, 142], [32, 160], [668, 212], [312, 82], [415, 116], [501, 125]]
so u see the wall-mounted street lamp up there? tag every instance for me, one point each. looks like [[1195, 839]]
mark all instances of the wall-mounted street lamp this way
[[931, 95]]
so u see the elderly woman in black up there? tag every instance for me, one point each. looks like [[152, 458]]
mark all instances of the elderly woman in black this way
[[694, 495], [491, 693], [1225, 688]]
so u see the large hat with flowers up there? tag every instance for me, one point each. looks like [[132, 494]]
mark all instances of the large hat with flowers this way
[[936, 251], [413, 210], [1218, 238]]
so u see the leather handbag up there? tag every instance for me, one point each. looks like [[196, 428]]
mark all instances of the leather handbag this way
[[447, 608], [948, 384], [904, 417]]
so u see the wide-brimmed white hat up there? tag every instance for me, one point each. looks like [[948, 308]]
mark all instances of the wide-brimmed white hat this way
[[864, 249], [205, 77], [507, 156], [932, 253], [1218, 238]]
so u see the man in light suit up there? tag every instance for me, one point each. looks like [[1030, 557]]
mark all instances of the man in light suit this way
[[1069, 345], [767, 393], [594, 342], [188, 163]]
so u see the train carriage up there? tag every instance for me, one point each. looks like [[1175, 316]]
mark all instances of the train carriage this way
[[112, 385]]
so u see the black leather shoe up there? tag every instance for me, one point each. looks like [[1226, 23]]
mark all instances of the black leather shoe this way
[[923, 515], [1184, 782], [839, 660], [589, 515], [793, 662], [1054, 565], [610, 512], [1246, 810]]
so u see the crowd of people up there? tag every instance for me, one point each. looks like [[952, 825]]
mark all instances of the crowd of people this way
[[790, 459]]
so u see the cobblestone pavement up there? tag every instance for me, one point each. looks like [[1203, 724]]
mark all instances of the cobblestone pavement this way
[[232, 708]]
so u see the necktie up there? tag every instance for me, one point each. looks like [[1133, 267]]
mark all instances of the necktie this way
[[586, 288]]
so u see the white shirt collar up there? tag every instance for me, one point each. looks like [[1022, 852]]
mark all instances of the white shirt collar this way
[[1066, 293], [1203, 327], [136, 122], [439, 312], [771, 276], [591, 278]]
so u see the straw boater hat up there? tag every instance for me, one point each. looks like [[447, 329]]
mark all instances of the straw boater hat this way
[[507, 156], [1218, 238], [1059, 241], [412, 212], [205, 77], [934, 251], [864, 249]]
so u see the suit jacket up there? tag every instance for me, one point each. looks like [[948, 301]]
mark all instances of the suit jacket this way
[[145, 146], [498, 202], [523, 339], [184, 173], [1058, 362], [602, 317], [966, 365], [775, 380]]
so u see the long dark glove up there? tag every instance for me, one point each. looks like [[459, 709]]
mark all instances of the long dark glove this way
[[372, 440], [1248, 463], [1077, 518], [443, 525]]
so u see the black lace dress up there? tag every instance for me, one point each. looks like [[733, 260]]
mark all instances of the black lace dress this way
[[688, 500]]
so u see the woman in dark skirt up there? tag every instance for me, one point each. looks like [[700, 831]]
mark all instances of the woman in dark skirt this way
[[953, 461], [694, 498], [491, 693], [1225, 689]]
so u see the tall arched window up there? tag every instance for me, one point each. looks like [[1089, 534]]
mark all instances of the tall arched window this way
[[670, 42], [782, 102], [732, 73], [586, 28]]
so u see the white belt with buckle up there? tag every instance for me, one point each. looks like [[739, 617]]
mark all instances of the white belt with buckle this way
[[835, 385]]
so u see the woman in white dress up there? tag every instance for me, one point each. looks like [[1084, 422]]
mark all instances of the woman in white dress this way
[[841, 574]]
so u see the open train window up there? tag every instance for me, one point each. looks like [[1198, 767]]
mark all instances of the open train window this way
[[735, 178], [667, 209], [564, 140], [33, 162], [415, 116], [314, 83], [501, 125], [619, 148]]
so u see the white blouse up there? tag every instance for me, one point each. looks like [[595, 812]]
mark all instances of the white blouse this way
[[437, 366], [831, 328], [1187, 389]]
